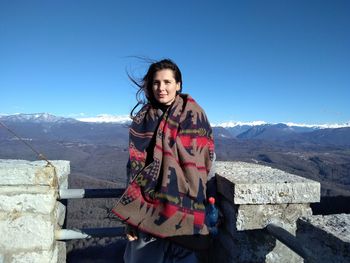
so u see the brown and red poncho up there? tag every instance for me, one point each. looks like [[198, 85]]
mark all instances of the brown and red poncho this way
[[166, 196]]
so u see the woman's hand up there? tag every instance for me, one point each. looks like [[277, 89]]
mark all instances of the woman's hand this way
[[131, 233]]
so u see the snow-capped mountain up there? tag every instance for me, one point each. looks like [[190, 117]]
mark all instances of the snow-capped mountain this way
[[272, 131], [258, 129], [36, 118], [106, 128], [106, 118], [235, 127], [232, 124], [47, 127], [49, 118]]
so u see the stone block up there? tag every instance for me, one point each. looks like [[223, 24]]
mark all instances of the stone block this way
[[251, 217], [61, 252], [329, 234], [25, 231], [45, 256], [60, 214], [282, 253], [34, 199], [246, 183], [55, 255], [21, 172]]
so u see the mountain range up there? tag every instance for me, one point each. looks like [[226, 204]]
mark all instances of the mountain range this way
[[108, 127], [43, 126], [98, 150]]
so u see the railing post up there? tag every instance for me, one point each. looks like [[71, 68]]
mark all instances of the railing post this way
[[68, 234], [90, 193]]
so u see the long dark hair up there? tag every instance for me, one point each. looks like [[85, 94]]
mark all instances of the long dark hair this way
[[145, 84]]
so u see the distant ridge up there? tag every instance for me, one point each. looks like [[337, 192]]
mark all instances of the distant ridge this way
[[48, 127], [235, 127], [50, 118], [232, 124], [315, 153], [35, 118]]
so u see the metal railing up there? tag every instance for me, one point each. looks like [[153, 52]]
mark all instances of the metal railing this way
[[69, 234], [273, 229], [90, 193]]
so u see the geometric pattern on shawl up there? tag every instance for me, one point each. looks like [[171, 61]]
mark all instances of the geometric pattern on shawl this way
[[166, 196]]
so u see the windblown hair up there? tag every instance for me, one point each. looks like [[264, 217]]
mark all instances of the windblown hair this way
[[145, 84]]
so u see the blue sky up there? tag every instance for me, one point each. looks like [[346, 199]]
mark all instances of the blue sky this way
[[276, 61]]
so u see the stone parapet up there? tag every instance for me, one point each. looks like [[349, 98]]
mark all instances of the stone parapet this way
[[247, 183], [250, 217], [252, 196], [29, 212], [21, 173], [329, 234]]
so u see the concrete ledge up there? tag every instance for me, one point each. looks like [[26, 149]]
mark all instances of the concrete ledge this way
[[25, 231], [246, 183], [55, 255], [329, 234], [251, 217], [21, 172], [335, 225], [60, 214], [30, 212], [38, 256], [252, 196], [40, 201], [61, 252]]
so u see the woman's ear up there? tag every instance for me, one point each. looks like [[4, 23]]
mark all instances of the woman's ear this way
[[178, 86]]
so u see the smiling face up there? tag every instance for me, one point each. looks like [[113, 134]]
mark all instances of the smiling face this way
[[164, 86]]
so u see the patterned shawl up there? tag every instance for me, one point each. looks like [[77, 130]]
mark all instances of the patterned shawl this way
[[167, 194]]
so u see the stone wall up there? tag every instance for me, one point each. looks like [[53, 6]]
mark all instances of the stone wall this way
[[251, 196], [326, 237], [29, 212]]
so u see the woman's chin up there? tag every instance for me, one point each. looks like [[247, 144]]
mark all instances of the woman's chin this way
[[165, 101]]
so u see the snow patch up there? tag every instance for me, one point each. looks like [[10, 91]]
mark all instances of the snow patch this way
[[107, 118]]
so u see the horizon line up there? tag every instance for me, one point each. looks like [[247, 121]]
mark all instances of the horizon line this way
[[225, 124]]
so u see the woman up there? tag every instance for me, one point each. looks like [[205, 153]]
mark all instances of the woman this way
[[171, 152]]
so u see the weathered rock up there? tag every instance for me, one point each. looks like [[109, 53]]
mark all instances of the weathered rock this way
[[60, 213], [53, 255], [30, 212], [20, 172], [22, 231], [251, 217], [247, 183], [35, 199]]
